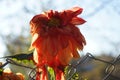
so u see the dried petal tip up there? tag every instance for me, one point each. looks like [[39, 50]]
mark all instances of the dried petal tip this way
[[77, 9]]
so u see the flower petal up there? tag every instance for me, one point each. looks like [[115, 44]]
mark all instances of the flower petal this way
[[38, 22], [34, 38], [77, 21], [76, 10]]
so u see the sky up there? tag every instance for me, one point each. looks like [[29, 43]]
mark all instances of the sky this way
[[101, 30]]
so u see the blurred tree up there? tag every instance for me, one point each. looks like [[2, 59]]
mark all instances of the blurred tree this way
[[17, 44]]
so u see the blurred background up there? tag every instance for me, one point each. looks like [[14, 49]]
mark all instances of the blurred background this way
[[101, 30]]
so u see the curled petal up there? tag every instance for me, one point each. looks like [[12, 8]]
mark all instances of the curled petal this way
[[76, 10], [38, 22], [34, 38], [77, 21], [41, 18], [70, 16]]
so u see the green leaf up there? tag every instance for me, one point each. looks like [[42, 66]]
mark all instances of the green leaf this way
[[1, 71], [51, 73]]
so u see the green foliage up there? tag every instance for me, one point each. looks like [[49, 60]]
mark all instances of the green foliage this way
[[51, 73], [1, 71]]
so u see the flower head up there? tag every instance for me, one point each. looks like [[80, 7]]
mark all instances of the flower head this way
[[7, 74], [56, 39]]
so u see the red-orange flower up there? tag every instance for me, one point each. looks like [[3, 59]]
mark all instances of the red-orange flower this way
[[56, 39], [9, 75]]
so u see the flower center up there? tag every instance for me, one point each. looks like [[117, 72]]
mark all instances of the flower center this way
[[54, 22]]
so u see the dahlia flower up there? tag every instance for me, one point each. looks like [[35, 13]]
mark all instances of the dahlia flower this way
[[56, 40], [7, 74]]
